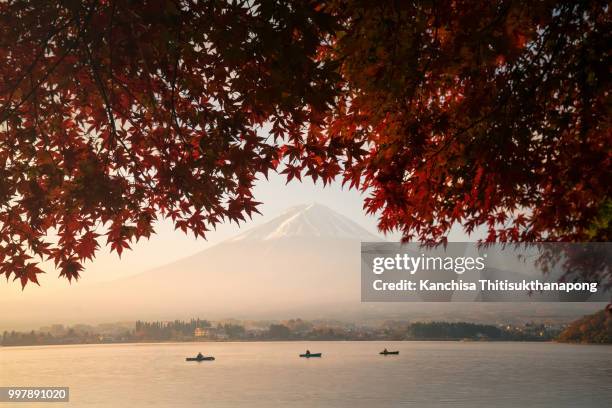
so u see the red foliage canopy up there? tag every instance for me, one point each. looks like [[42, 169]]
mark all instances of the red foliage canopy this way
[[113, 113], [482, 113]]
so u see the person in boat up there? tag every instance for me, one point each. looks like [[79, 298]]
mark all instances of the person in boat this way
[[307, 352], [385, 350], [200, 355]]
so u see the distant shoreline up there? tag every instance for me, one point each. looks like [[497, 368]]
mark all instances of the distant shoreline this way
[[202, 331], [300, 341]]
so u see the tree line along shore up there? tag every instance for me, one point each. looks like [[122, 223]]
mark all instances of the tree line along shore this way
[[596, 328]]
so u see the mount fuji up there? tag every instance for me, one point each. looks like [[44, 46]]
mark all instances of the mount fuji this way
[[308, 257], [304, 262]]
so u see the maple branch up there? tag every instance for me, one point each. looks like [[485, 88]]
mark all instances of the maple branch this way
[[173, 115], [30, 68], [111, 119], [5, 115], [43, 134], [107, 104], [502, 102]]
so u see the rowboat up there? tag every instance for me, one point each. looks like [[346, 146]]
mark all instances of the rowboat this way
[[386, 353], [309, 355], [200, 359]]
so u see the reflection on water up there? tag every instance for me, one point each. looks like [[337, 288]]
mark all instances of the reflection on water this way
[[350, 374]]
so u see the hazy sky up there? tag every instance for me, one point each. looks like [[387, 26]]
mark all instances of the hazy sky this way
[[169, 245]]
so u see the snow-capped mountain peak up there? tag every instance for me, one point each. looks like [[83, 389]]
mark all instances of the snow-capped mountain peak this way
[[311, 220]]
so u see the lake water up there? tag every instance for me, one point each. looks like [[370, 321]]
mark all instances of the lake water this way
[[350, 374]]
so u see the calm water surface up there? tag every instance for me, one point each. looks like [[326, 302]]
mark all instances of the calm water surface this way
[[350, 374]]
